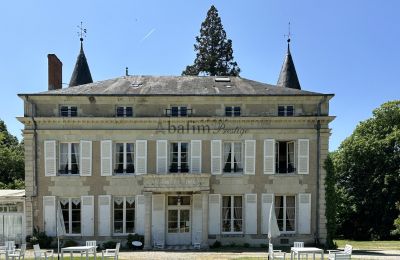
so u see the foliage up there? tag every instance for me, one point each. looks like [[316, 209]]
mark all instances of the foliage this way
[[330, 199], [396, 223], [134, 237], [246, 245], [109, 244], [69, 242], [216, 244], [214, 51], [367, 165], [41, 238], [370, 245]]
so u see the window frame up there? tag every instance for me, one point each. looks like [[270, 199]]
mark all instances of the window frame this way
[[69, 159], [124, 111], [179, 109], [232, 162], [70, 216], [125, 162], [284, 197], [232, 218], [285, 110], [233, 111], [179, 163], [277, 171], [124, 220], [69, 110]]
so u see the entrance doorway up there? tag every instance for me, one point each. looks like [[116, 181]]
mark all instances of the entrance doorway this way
[[179, 220]]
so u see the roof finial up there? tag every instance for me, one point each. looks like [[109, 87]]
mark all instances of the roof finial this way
[[82, 32], [288, 37]]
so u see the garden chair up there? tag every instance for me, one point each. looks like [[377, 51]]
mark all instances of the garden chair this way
[[46, 254], [299, 244], [92, 243], [275, 254], [339, 254], [10, 245], [18, 253], [111, 253]]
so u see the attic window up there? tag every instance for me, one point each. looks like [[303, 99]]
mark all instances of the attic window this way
[[222, 79], [136, 85]]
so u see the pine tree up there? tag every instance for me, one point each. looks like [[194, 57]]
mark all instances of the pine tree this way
[[214, 51]]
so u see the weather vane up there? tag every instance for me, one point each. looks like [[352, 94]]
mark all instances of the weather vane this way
[[82, 32], [289, 34]]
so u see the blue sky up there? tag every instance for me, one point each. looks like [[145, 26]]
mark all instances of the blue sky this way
[[349, 48]]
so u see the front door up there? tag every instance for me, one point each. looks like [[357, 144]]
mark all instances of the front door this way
[[179, 220]]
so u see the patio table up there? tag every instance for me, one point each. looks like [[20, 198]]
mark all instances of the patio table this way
[[79, 249], [305, 250]]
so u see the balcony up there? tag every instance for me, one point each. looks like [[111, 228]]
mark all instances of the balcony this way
[[176, 182]]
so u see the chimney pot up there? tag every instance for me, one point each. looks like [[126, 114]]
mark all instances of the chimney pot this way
[[55, 72]]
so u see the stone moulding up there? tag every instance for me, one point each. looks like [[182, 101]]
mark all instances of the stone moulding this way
[[176, 182]]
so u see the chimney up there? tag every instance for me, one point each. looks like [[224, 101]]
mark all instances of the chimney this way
[[55, 72]]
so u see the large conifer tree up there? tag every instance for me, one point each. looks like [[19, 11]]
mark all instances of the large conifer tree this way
[[214, 51]]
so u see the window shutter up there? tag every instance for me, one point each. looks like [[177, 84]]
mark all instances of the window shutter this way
[[251, 213], [106, 158], [49, 215], [216, 156], [158, 217], [87, 215], [104, 228], [303, 158], [214, 214], [267, 200], [162, 156], [250, 157], [85, 158], [197, 222], [140, 215], [304, 213], [195, 156], [269, 156], [50, 168], [141, 157]]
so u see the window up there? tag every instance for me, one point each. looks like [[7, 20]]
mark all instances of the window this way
[[232, 111], [284, 157], [179, 154], [69, 158], [232, 214], [124, 112], [233, 157], [124, 215], [285, 110], [285, 211], [124, 158], [176, 111], [68, 111], [71, 211]]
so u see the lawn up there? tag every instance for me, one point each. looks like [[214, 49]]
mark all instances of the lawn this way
[[370, 245]]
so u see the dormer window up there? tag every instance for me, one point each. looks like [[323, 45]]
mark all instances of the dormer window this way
[[286, 110], [176, 111], [124, 112], [232, 111], [68, 111]]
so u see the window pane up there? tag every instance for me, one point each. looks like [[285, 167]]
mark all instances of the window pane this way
[[174, 111], [74, 158], [226, 213], [130, 158], [183, 111], [74, 111], [227, 157], [64, 111], [120, 111], [228, 111], [184, 221], [118, 227], [172, 200], [63, 158], [129, 112], [119, 158], [281, 111], [173, 221], [289, 110], [185, 200], [236, 111], [290, 155], [237, 160]]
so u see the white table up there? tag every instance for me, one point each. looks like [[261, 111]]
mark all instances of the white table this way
[[305, 250], [79, 249]]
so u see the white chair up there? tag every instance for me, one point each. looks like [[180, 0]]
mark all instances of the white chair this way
[[46, 254], [341, 255], [275, 254], [92, 243], [158, 241], [197, 240], [299, 244], [18, 253], [111, 253], [10, 245]]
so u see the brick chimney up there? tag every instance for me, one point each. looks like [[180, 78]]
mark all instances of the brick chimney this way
[[55, 72]]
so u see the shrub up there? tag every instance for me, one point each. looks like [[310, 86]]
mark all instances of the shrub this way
[[109, 245], [134, 237], [216, 244], [69, 242], [246, 245], [263, 245], [40, 238]]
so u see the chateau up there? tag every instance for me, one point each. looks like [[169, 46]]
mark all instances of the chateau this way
[[182, 160]]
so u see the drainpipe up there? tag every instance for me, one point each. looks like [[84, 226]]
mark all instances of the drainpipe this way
[[35, 170]]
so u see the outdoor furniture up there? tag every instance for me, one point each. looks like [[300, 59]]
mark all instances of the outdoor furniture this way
[[42, 253], [275, 254], [342, 255], [111, 253], [297, 251], [79, 249], [18, 253], [10, 245], [91, 243], [299, 244]]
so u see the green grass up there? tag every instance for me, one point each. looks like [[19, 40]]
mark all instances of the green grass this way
[[370, 245]]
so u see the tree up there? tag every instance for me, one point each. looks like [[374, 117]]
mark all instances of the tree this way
[[367, 165], [330, 202], [214, 51]]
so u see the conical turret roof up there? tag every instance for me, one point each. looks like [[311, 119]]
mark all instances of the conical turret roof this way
[[288, 76], [81, 74]]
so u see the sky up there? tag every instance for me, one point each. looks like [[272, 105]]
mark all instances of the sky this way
[[348, 48]]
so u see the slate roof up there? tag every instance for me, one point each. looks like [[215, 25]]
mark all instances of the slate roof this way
[[176, 86], [288, 76], [81, 74]]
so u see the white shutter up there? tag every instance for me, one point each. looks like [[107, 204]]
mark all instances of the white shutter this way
[[269, 156], [50, 168], [197, 222], [303, 158], [251, 213], [216, 155], [266, 201], [87, 215], [195, 156], [214, 214], [304, 213], [140, 215], [49, 215], [158, 217], [250, 156], [162, 162], [106, 158], [141, 157], [104, 222], [85, 158]]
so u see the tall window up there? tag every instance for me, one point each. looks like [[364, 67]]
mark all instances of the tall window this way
[[71, 211], [232, 207], [68, 111], [285, 110], [124, 215], [284, 157], [232, 111], [285, 211], [233, 157], [124, 112], [69, 158], [179, 154], [124, 158]]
